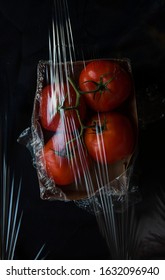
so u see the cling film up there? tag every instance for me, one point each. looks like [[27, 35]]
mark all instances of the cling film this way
[[83, 132]]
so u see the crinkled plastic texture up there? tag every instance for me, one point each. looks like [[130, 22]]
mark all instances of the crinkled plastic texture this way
[[65, 168], [109, 197]]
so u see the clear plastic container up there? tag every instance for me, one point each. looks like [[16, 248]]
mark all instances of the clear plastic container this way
[[83, 132]]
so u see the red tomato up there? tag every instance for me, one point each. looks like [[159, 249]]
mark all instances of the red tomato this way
[[63, 165], [55, 108], [109, 81], [110, 139]]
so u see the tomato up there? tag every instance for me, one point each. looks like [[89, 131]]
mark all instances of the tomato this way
[[111, 85], [110, 137], [56, 108], [65, 166]]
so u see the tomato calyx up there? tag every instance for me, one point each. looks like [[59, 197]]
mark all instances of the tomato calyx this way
[[101, 86], [98, 127]]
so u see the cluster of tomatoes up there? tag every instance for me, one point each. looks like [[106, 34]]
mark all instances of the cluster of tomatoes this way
[[86, 123]]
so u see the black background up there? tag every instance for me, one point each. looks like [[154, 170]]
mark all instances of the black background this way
[[133, 29]]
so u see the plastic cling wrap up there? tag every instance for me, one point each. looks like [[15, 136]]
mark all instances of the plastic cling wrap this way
[[83, 130]]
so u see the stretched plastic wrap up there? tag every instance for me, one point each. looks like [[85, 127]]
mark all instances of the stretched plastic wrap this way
[[83, 134], [83, 130]]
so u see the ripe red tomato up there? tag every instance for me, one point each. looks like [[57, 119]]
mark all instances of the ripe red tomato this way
[[63, 165], [111, 138], [55, 108], [110, 82]]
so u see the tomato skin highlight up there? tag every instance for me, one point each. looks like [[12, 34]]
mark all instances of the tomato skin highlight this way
[[62, 166], [54, 104], [113, 142], [114, 81]]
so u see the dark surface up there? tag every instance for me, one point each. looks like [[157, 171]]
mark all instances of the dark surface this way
[[133, 29]]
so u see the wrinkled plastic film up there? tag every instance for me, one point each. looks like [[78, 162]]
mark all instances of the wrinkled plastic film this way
[[121, 193], [88, 174]]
